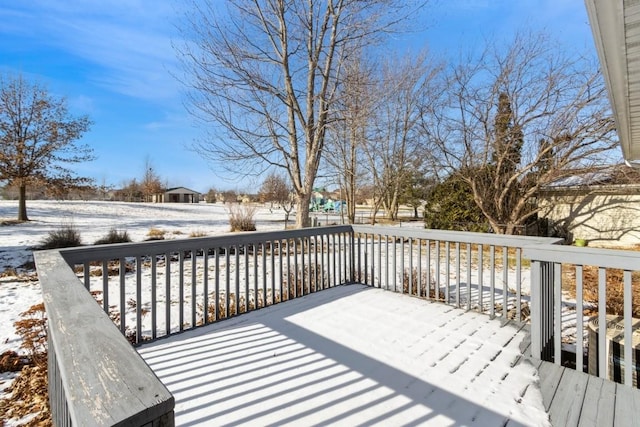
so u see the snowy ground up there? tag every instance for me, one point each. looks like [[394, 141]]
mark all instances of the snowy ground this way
[[93, 220]]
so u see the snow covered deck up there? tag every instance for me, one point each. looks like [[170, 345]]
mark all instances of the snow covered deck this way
[[351, 355]]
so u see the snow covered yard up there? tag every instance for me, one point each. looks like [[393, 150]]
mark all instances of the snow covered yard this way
[[93, 219]]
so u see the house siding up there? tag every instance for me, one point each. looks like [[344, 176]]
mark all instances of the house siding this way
[[604, 215]]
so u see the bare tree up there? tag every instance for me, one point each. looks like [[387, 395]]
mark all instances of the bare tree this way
[[37, 138], [398, 147], [276, 189], [229, 196], [103, 189], [348, 134], [151, 183], [266, 73], [518, 118], [131, 191]]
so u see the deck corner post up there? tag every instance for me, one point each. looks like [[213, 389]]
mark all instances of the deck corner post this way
[[536, 329], [542, 282]]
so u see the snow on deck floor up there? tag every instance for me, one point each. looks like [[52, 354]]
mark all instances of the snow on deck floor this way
[[350, 355]]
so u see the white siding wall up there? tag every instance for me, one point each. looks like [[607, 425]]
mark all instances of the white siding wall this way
[[602, 217]]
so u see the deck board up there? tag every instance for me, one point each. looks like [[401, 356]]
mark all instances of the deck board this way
[[627, 407], [599, 409], [567, 405], [578, 399], [355, 355], [350, 355]]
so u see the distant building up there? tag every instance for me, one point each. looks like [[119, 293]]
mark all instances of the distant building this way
[[177, 195], [601, 207]]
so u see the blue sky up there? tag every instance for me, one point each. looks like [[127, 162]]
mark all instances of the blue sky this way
[[113, 60]]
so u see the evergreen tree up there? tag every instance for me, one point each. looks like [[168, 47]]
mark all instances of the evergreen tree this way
[[450, 206]]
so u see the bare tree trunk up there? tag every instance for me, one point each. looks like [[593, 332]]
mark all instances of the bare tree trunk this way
[[351, 187], [302, 210], [375, 208], [270, 84], [22, 203]]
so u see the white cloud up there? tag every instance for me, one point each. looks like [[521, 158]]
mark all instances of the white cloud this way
[[129, 42], [82, 103], [170, 121]]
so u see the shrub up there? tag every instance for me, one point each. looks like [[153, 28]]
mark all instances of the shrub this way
[[197, 233], [450, 206], [155, 234], [305, 280], [114, 236], [410, 283], [241, 218], [211, 196], [64, 237]]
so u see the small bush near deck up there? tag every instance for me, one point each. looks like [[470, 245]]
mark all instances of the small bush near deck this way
[[155, 234], [614, 289], [197, 233], [303, 281], [410, 278], [64, 237], [241, 218], [114, 236]]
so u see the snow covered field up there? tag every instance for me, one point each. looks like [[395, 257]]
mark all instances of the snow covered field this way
[[94, 219]]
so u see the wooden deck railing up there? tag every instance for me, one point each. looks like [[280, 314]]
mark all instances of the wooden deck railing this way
[[565, 273], [154, 289], [475, 271], [95, 377]]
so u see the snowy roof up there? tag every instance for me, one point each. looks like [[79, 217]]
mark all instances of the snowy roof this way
[[583, 179], [613, 175]]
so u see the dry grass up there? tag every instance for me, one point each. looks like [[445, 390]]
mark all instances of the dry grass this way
[[241, 218], [410, 283], [197, 233], [155, 234], [292, 284], [614, 289], [29, 393], [113, 268], [29, 275], [114, 236], [5, 221], [64, 237]]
